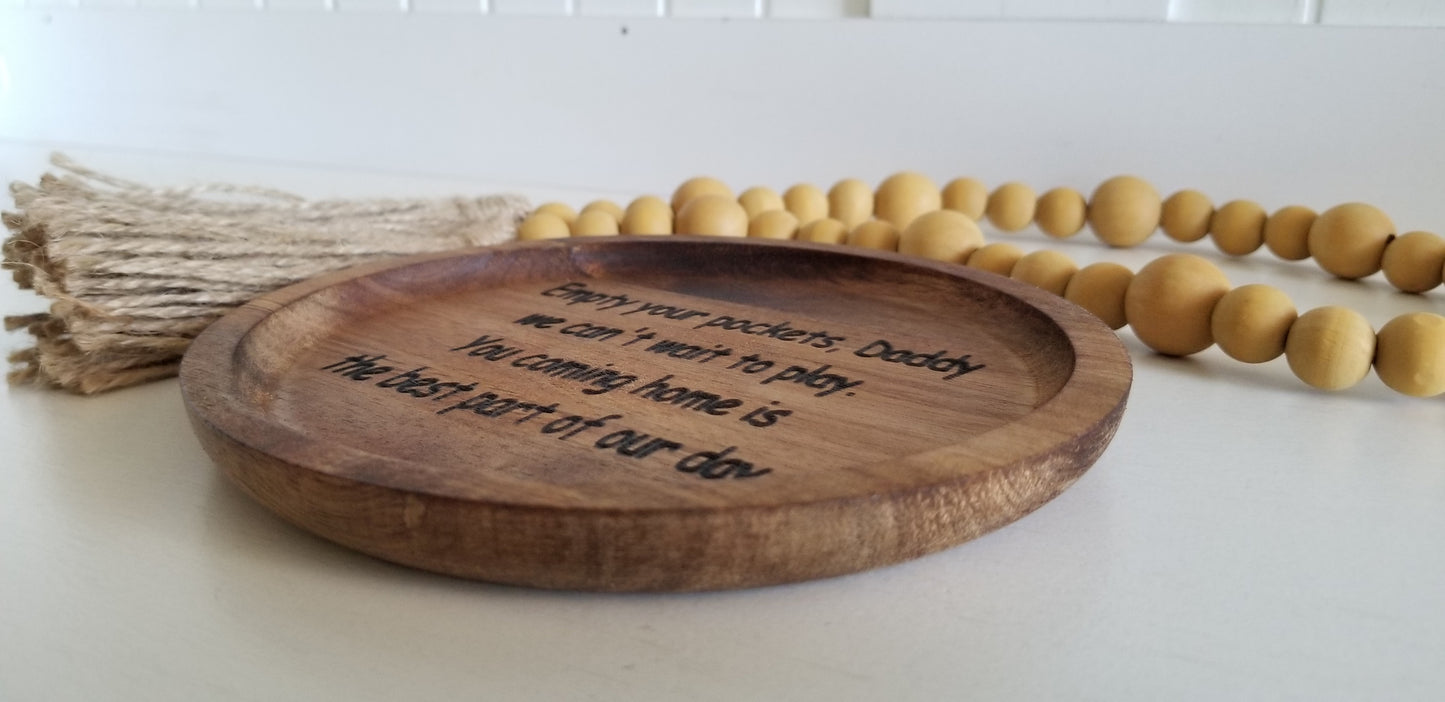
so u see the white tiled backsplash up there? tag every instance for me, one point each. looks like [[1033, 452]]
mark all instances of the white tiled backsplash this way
[[1339, 12]]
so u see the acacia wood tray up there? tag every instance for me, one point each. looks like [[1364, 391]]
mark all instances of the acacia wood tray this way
[[655, 413]]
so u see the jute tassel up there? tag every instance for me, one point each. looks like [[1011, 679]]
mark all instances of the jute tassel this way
[[135, 273]]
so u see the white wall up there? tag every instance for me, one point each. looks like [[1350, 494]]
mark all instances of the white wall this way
[[1346, 12]]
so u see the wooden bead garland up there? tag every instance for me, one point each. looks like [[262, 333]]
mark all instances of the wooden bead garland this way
[[1349, 240], [596, 222], [1287, 232], [850, 202], [1100, 288], [758, 200], [1186, 215], [966, 195], [942, 235], [1251, 322], [1170, 302], [713, 215], [824, 231], [1049, 270], [774, 224], [1330, 347], [1011, 206], [647, 215], [998, 258], [1238, 227], [609, 207], [904, 196], [1414, 262], [875, 234], [1124, 211], [1061, 212], [1178, 304], [806, 202]]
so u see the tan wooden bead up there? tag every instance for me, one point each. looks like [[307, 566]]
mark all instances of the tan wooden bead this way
[[1410, 354], [1049, 270], [999, 257], [1100, 289], [1124, 211], [560, 209], [647, 215], [607, 206], [1287, 232], [1330, 348], [966, 195], [1349, 240], [1185, 216], [1060, 212], [902, 197], [1238, 227], [806, 202], [875, 234], [713, 215], [773, 224], [1170, 301], [823, 231], [1414, 262], [697, 187], [1251, 322], [850, 201], [595, 222], [543, 225], [758, 199], [942, 235], [1011, 206]]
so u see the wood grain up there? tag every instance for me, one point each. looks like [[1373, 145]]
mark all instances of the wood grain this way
[[655, 414]]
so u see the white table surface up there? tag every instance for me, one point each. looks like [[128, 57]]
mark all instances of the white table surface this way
[[1244, 537]]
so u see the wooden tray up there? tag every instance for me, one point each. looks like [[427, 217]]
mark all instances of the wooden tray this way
[[655, 414]]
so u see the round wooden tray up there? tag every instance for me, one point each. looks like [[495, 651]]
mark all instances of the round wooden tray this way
[[655, 414]]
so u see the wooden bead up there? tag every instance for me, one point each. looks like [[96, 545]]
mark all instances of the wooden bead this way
[[1250, 322], [823, 231], [1287, 232], [1049, 270], [998, 258], [942, 235], [1185, 216], [647, 215], [713, 215], [1100, 289], [698, 187], [966, 195], [560, 209], [1330, 347], [607, 206], [1060, 212], [1238, 227], [1410, 354], [773, 224], [543, 225], [806, 202], [757, 200], [1124, 211], [595, 222], [875, 234], [1011, 206], [1170, 302], [1349, 240], [850, 202], [902, 197], [1413, 262]]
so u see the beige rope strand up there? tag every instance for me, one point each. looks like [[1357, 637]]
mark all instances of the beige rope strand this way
[[135, 273]]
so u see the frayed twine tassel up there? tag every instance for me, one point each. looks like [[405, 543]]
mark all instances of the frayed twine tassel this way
[[135, 273]]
